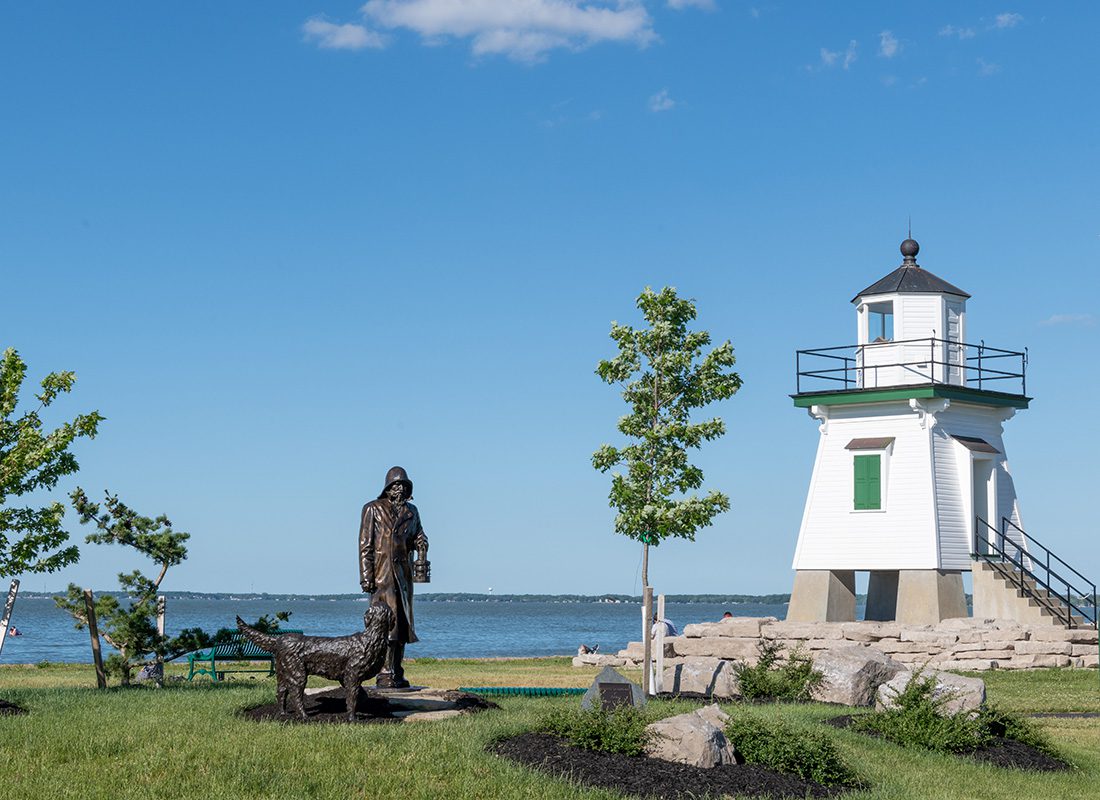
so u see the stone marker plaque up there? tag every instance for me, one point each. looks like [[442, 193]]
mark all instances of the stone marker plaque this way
[[613, 695], [606, 684]]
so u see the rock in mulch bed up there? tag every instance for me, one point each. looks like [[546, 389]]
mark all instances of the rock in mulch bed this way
[[373, 706], [1000, 752], [651, 777], [10, 709]]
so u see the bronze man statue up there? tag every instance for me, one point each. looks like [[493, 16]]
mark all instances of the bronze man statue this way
[[389, 534]]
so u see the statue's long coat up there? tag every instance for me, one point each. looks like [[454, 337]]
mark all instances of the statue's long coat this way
[[386, 543]]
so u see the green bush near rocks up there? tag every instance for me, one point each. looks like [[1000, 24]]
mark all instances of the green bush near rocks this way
[[808, 754], [771, 678], [619, 730], [918, 721]]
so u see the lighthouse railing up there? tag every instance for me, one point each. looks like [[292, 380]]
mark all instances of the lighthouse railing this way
[[907, 362]]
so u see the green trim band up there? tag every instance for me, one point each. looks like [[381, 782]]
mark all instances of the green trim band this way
[[963, 394], [523, 691]]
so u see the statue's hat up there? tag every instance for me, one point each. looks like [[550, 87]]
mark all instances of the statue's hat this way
[[395, 475]]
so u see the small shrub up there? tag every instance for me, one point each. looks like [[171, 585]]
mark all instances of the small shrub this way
[[620, 730], [769, 679], [808, 754], [918, 720]]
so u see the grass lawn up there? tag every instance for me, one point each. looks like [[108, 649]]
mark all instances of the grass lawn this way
[[186, 740]]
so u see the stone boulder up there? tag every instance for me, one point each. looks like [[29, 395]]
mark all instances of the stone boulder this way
[[958, 693], [712, 677], [695, 739], [852, 674]]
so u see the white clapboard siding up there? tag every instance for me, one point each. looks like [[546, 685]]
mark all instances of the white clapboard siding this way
[[954, 479], [927, 516], [902, 534], [919, 319], [952, 469]]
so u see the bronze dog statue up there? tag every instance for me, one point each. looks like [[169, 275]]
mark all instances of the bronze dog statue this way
[[347, 659]]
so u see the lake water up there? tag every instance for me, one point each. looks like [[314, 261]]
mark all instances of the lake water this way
[[468, 629]]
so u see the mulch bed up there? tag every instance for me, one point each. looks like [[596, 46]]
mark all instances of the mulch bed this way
[[10, 709], [651, 777], [329, 708], [1000, 752]]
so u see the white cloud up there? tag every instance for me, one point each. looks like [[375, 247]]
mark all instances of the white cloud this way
[[888, 80], [1007, 20], [680, 5], [330, 36], [986, 68], [850, 53], [1081, 320], [959, 33], [521, 29], [888, 45], [830, 58], [661, 102]]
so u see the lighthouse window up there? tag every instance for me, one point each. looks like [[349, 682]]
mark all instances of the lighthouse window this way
[[868, 482], [880, 322]]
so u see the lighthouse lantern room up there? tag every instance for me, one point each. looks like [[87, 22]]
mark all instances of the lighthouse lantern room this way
[[911, 477]]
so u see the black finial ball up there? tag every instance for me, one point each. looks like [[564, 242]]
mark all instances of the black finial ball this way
[[909, 248]]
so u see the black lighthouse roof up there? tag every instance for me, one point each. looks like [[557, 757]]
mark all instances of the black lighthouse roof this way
[[910, 278]]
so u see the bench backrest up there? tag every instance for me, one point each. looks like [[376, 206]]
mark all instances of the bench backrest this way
[[242, 648]]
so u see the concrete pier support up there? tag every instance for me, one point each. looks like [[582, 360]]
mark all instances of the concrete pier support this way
[[882, 595], [926, 596], [822, 595]]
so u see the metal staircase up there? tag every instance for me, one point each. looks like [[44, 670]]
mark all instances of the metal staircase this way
[[1037, 575]]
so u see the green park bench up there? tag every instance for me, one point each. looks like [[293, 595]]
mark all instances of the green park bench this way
[[232, 652]]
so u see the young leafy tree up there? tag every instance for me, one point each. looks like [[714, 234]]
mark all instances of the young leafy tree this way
[[664, 376], [34, 460], [130, 628]]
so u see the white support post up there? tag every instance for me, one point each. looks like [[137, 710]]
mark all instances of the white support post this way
[[659, 657], [160, 632], [12, 592], [647, 637]]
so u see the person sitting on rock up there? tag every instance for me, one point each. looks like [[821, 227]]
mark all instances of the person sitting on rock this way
[[665, 624]]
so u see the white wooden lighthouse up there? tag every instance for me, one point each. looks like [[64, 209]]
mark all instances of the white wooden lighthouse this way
[[911, 477]]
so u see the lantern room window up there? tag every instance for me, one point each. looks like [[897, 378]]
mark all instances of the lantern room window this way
[[880, 322]]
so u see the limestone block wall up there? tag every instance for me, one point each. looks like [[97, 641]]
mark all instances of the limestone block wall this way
[[954, 644]]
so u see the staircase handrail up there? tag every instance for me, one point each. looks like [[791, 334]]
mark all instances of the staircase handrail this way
[[1005, 522], [1067, 616]]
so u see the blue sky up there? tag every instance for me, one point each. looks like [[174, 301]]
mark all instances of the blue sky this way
[[285, 247]]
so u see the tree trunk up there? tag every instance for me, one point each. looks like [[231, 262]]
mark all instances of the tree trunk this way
[[645, 565]]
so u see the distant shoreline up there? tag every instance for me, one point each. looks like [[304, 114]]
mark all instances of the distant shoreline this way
[[465, 597]]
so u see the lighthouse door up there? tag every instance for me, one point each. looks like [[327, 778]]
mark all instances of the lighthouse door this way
[[984, 502]]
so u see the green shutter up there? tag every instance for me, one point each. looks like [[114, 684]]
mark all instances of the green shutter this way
[[868, 482]]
